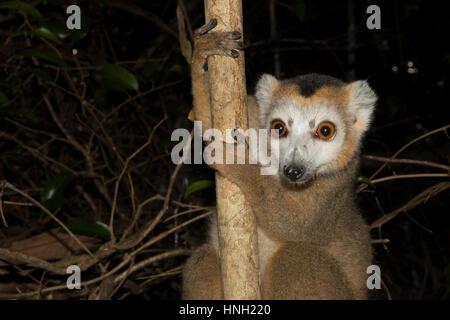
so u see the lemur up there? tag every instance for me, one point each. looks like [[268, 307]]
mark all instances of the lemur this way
[[312, 241]]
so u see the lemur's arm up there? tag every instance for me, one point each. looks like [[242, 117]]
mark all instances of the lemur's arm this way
[[205, 45]]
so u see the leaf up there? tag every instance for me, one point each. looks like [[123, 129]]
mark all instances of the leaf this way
[[53, 245], [117, 78], [52, 196], [40, 73], [4, 100], [197, 186], [365, 180], [299, 10], [191, 116], [179, 69], [22, 6], [47, 34], [89, 228], [48, 56], [61, 32]]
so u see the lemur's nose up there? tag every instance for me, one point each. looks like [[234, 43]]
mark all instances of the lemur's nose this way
[[293, 172]]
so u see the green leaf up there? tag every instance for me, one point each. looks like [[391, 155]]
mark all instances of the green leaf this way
[[117, 78], [48, 56], [40, 73], [60, 31], [365, 180], [197, 186], [89, 228], [52, 196], [47, 34], [22, 6], [299, 10], [4, 100], [179, 69]]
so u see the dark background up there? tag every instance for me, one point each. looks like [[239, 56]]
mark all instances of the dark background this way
[[69, 122]]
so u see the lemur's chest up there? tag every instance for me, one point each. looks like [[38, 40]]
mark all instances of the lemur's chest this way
[[266, 249]]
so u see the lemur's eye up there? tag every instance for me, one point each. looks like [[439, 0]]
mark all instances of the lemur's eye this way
[[279, 127], [325, 130]]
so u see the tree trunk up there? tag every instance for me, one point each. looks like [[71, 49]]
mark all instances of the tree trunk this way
[[236, 222]]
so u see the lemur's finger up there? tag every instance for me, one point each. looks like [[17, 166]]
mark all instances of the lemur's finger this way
[[232, 53], [206, 27], [221, 52], [235, 35], [231, 44]]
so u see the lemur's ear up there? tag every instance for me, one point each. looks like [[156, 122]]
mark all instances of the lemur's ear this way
[[264, 90], [361, 104]]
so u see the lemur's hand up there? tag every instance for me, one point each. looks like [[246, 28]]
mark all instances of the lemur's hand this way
[[235, 162], [214, 43]]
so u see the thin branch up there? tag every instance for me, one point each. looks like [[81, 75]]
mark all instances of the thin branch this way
[[124, 169], [20, 258], [146, 262], [407, 176], [444, 128], [7, 185], [420, 198], [409, 161]]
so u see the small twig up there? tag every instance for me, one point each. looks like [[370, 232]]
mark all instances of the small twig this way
[[139, 95], [444, 128], [386, 289], [166, 233], [186, 212], [5, 223], [146, 262], [138, 214], [15, 203], [420, 198], [274, 37], [410, 161], [407, 176], [20, 258], [124, 169], [419, 224], [163, 210]]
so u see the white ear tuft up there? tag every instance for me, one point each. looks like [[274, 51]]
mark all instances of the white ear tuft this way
[[264, 90], [362, 104]]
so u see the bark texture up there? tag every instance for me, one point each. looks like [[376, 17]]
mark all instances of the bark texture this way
[[236, 222]]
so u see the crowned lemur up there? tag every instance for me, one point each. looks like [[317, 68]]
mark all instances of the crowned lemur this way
[[312, 241]]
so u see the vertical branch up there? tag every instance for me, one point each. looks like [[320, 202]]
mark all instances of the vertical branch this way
[[351, 40], [236, 223], [274, 37]]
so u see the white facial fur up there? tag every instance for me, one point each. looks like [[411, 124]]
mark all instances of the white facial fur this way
[[301, 146]]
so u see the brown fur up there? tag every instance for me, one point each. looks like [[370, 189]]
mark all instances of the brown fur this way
[[337, 96], [319, 244]]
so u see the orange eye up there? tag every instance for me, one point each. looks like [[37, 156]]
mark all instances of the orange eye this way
[[279, 127], [325, 130]]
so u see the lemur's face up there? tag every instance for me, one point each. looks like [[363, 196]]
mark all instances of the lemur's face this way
[[319, 121], [310, 138]]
